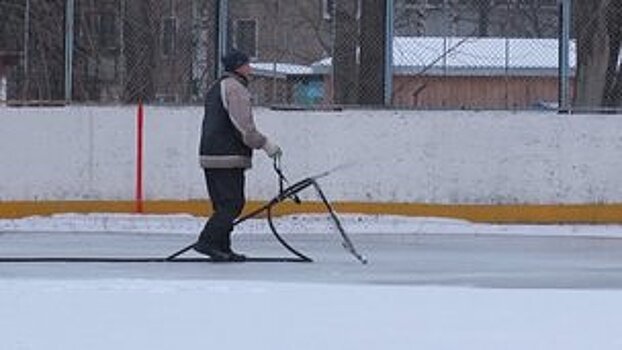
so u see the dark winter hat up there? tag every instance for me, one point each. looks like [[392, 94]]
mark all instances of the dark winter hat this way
[[234, 60]]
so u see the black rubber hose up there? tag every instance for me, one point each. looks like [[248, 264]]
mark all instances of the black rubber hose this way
[[282, 241]]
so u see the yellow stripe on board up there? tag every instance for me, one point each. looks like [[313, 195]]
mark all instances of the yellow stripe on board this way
[[545, 214]]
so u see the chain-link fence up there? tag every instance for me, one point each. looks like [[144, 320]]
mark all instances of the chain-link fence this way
[[447, 54], [476, 54], [443, 53], [109, 51]]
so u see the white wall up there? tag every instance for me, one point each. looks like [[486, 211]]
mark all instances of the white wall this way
[[405, 156]]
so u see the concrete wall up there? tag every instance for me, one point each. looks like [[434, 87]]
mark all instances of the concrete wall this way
[[77, 153]]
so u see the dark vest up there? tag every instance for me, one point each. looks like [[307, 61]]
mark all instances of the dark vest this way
[[218, 135]]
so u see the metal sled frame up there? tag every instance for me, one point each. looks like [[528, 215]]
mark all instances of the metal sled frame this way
[[291, 192]]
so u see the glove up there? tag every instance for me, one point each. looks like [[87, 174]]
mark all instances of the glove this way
[[272, 149]]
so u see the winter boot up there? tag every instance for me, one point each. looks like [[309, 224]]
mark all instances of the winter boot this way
[[214, 252], [234, 256]]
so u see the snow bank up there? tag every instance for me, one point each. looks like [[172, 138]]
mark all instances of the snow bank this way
[[308, 223]]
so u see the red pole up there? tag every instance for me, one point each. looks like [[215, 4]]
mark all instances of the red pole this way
[[139, 158]]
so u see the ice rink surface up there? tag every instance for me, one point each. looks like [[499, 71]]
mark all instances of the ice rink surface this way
[[490, 261], [429, 284]]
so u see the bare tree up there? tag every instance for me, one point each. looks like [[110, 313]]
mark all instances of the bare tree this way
[[11, 39], [532, 19], [597, 27], [373, 45], [44, 79], [305, 15], [208, 43], [344, 54], [516, 18], [11, 25], [613, 88], [483, 9], [46, 55]]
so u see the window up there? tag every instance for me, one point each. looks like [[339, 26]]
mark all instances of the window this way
[[328, 8], [246, 36], [169, 30]]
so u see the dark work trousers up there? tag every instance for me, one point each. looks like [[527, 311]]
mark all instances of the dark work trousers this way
[[226, 191]]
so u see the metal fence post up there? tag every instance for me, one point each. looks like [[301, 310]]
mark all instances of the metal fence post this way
[[564, 56], [388, 58], [223, 13], [69, 18], [26, 43]]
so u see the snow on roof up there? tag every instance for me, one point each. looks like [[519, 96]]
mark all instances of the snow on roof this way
[[453, 55], [279, 69]]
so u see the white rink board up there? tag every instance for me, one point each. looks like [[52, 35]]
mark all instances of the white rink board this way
[[445, 157]]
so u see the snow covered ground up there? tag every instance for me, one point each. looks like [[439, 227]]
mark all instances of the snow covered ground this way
[[430, 284]]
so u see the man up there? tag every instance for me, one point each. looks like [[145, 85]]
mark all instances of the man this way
[[228, 138]]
